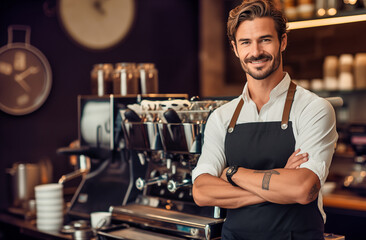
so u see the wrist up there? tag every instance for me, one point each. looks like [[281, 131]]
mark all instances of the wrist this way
[[230, 173]]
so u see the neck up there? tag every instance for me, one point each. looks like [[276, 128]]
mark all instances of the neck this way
[[259, 90]]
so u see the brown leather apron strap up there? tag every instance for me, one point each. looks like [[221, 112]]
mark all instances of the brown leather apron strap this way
[[285, 114], [288, 104], [235, 116]]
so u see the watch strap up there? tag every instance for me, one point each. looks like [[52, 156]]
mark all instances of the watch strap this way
[[229, 174]]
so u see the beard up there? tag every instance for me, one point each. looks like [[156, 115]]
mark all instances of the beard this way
[[260, 73]]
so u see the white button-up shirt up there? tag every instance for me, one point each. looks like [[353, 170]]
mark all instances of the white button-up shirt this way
[[313, 123]]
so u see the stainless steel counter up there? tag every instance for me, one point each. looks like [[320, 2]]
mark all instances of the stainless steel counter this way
[[28, 228]]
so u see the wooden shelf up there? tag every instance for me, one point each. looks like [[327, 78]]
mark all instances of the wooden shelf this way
[[355, 92], [345, 201], [340, 18]]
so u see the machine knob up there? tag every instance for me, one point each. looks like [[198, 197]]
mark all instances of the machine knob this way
[[173, 185], [140, 183]]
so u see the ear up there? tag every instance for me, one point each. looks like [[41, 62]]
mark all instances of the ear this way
[[283, 42], [233, 44]]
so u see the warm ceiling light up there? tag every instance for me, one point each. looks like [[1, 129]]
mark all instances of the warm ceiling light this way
[[332, 11], [321, 12], [326, 21]]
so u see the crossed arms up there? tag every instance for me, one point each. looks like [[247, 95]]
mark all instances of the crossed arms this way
[[290, 184]]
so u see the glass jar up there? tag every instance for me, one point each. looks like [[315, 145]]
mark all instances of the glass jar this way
[[101, 79], [148, 74], [125, 79]]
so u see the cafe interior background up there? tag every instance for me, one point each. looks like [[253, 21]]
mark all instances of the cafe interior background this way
[[186, 40]]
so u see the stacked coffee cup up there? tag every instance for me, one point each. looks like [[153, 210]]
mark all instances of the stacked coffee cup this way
[[49, 205]]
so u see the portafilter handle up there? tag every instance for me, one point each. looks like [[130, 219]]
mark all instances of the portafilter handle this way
[[173, 185], [72, 175], [141, 183], [84, 165]]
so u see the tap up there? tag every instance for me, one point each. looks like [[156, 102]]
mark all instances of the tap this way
[[141, 183], [173, 185]]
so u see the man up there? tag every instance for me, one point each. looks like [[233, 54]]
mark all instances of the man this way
[[267, 152]]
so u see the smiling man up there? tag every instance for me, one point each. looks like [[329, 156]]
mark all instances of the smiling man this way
[[267, 153], [256, 51]]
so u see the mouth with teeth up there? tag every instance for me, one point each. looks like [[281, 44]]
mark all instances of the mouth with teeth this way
[[260, 60]]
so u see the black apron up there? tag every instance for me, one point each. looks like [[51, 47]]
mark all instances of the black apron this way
[[264, 146]]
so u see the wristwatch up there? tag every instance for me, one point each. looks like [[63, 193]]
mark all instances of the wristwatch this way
[[230, 173]]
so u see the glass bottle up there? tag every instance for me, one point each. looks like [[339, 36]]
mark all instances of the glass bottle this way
[[101, 79], [149, 82], [125, 79]]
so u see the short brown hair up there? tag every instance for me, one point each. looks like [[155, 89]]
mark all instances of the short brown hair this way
[[250, 9]]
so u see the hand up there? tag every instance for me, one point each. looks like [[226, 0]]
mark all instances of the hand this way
[[223, 175], [26, 73], [98, 5], [19, 78], [295, 160]]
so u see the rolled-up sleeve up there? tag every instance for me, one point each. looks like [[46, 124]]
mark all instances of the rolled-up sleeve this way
[[317, 135], [212, 159]]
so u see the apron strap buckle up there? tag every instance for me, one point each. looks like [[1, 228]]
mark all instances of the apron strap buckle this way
[[235, 116], [288, 104]]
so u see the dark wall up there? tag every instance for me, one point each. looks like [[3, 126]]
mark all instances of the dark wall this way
[[165, 32]]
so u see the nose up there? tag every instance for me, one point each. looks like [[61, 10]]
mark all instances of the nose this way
[[256, 49]]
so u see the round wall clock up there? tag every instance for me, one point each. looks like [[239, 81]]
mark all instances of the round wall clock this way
[[96, 24], [25, 75]]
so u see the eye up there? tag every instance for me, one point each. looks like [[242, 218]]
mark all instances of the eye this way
[[266, 40], [244, 42]]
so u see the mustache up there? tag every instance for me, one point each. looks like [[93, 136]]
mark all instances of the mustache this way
[[260, 57]]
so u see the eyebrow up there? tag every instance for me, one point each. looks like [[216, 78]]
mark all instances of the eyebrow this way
[[266, 36], [261, 37]]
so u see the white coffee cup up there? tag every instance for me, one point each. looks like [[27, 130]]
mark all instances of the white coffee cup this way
[[100, 219], [49, 206], [48, 214], [49, 201], [51, 190]]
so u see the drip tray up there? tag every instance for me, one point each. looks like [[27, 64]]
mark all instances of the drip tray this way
[[172, 222], [136, 234]]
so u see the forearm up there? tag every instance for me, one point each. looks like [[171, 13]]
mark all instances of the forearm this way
[[283, 186], [213, 191]]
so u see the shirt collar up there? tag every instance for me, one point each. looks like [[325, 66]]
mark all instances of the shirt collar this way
[[277, 91]]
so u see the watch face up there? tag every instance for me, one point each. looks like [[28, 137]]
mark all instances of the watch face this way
[[25, 79], [232, 170]]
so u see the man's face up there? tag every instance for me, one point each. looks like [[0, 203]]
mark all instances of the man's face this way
[[258, 48]]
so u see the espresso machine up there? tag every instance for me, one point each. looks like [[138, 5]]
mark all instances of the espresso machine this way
[[107, 173], [166, 137]]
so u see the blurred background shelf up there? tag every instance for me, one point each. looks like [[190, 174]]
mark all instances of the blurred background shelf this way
[[343, 17]]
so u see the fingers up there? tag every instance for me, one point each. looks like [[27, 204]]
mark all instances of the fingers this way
[[300, 159], [295, 153], [296, 159]]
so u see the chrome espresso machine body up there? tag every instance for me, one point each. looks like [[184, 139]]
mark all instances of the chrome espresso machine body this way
[[109, 178], [166, 137]]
